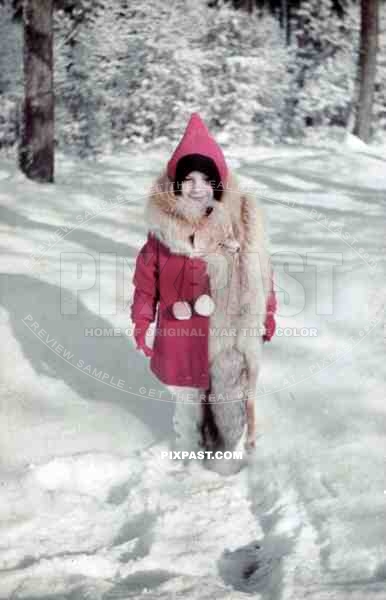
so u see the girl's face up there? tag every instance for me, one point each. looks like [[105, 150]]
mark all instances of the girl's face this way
[[197, 189]]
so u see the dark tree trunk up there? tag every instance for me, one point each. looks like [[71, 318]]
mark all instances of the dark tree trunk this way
[[36, 151], [285, 19], [367, 68], [250, 6]]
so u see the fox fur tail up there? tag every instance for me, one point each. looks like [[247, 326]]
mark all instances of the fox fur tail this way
[[224, 406]]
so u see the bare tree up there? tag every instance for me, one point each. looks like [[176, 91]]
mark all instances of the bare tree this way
[[36, 150], [367, 68]]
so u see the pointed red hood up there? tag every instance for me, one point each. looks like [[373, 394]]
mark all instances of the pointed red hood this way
[[198, 140]]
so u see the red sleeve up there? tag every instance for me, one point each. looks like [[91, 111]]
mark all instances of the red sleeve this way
[[271, 308], [271, 300], [145, 279]]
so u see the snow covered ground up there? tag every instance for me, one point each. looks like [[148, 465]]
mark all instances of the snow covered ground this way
[[88, 508]]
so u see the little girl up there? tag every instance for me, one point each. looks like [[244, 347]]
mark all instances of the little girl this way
[[205, 265]]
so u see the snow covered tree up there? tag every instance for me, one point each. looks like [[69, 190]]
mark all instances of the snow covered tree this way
[[11, 76], [323, 46], [36, 151], [367, 68], [75, 73], [119, 64]]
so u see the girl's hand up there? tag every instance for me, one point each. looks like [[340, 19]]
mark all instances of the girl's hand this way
[[270, 327], [139, 335]]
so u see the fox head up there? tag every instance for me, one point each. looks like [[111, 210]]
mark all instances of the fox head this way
[[216, 233]]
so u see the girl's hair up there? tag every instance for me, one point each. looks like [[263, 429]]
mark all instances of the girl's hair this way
[[204, 164]]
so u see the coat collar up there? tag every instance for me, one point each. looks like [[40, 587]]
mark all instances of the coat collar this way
[[175, 229]]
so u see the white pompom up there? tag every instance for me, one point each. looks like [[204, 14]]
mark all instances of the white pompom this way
[[181, 310], [204, 305]]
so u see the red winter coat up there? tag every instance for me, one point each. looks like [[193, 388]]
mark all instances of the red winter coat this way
[[180, 347]]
